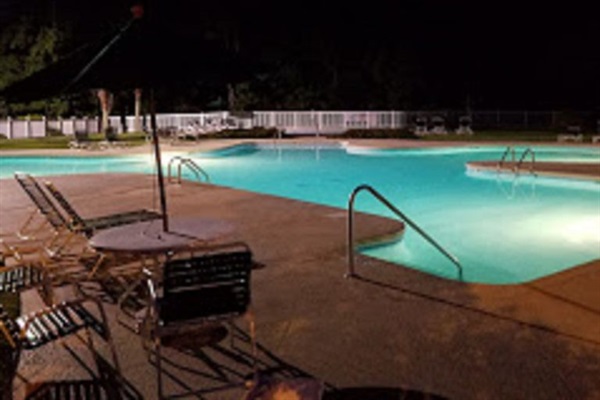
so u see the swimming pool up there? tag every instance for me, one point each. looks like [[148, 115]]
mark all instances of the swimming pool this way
[[503, 229]]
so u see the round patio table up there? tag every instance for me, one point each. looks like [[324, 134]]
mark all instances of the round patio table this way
[[149, 238]]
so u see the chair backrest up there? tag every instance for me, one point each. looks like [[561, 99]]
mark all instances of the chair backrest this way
[[64, 203], [213, 286], [41, 200]]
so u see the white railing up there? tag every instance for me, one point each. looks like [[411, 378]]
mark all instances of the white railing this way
[[290, 122]]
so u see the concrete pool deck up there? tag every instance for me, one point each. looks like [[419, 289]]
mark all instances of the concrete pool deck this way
[[392, 328]]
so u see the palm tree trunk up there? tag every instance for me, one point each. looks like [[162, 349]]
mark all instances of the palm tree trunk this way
[[138, 110], [106, 105]]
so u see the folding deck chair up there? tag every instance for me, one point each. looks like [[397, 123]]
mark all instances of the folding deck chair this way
[[61, 235], [217, 283], [90, 225]]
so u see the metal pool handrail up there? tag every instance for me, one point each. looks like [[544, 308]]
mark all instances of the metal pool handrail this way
[[529, 151], [509, 150], [350, 273], [195, 168]]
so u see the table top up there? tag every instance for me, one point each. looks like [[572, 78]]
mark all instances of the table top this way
[[149, 237]]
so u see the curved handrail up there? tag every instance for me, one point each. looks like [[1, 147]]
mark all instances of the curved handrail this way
[[400, 215], [529, 151], [195, 168], [509, 150]]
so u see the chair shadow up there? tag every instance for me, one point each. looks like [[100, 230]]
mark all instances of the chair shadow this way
[[226, 365], [107, 384]]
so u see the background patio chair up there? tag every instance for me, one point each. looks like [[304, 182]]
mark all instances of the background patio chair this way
[[90, 225], [216, 283]]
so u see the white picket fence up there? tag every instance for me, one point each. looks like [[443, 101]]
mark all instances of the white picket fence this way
[[28, 128], [290, 122]]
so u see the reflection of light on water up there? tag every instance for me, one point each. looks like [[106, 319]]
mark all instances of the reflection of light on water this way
[[583, 230]]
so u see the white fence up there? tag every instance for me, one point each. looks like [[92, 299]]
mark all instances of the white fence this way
[[27, 128], [290, 122], [295, 122]]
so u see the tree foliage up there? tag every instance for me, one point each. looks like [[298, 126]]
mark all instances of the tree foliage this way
[[27, 46]]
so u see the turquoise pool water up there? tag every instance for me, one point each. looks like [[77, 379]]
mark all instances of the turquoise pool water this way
[[503, 229]]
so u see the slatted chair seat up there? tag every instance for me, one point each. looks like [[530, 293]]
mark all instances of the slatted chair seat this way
[[51, 323], [19, 278]]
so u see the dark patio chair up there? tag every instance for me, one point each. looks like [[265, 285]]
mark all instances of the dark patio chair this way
[[216, 283], [90, 225]]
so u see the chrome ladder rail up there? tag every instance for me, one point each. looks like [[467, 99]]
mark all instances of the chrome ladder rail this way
[[350, 273], [509, 150], [188, 162], [528, 151]]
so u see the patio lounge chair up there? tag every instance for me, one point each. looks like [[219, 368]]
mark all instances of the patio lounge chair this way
[[573, 135], [464, 125], [421, 126], [565, 137], [61, 235], [90, 225], [439, 126], [217, 283]]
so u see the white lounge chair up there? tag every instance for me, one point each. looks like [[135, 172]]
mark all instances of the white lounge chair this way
[[567, 137]]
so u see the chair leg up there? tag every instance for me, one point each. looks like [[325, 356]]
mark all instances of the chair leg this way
[[252, 332], [25, 232]]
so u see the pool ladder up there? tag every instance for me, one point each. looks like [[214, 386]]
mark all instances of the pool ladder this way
[[350, 273], [190, 164], [517, 164]]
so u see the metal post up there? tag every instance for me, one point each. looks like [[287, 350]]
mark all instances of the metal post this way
[[159, 172]]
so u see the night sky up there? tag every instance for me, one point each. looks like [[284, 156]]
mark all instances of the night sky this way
[[492, 53]]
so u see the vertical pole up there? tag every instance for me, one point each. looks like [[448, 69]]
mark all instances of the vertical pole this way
[[159, 172]]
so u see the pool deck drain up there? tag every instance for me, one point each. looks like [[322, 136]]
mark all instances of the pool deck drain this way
[[393, 328]]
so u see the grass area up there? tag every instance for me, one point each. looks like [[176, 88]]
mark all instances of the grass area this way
[[527, 136], [62, 142], [477, 136], [139, 138]]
